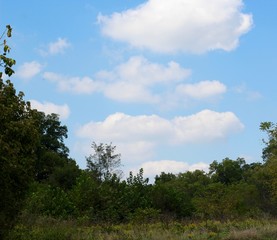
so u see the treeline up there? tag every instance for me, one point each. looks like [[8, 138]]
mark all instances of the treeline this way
[[232, 189], [39, 178]]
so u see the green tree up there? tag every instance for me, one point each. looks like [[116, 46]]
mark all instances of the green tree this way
[[137, 193], [52, 152], [49, 201], [270, 149], [19, 140], [104, 163], [173, 194], [85, 195], [228, 171], [209, 203]]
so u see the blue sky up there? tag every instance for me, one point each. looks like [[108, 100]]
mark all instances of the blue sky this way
[[173, 84]]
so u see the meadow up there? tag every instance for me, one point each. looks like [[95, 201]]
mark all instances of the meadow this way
[[47, 228]]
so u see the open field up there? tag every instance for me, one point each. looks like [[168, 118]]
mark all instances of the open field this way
[[44, 228]]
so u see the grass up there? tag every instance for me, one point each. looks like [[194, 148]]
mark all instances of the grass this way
[[45, 228]]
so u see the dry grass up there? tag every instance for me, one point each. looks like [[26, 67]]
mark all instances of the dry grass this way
[[264, 232]]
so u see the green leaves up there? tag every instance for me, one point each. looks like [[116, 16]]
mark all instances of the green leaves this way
[[5, 62], [9, 30], [270, 150]]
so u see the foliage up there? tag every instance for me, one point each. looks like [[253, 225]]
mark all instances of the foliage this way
[[49, 201], [18, 143], [5, 62], [228, 171], [138, 192], [270, 150], [104, 163], [31, 147]]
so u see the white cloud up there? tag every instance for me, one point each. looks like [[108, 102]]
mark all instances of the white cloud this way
[[131, 81], [153, 168], [56, 47], [62, 110], [204, 126], [141, 81], [180, 25], [129, 92], [201, 90], [141, 71], [77, 85], [59, 46], [28, 70]]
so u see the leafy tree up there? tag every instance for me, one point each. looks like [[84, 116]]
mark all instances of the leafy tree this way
[[85, 195], [210, 202], [164, 177], [241, 200], [65, 175], [52, 133], [104, 163], [270, 149], [51, 152], [137, 193], [170, 198], [52, 162], [49, 201], [99, 201], [19, 139], [228, 171]]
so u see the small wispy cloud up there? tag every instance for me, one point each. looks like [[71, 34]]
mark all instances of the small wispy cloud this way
[[249, 94], [29, 70], [54, 48], [202, 90], [77, 85]]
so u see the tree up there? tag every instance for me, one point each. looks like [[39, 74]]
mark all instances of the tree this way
[[31, 147], [104, 163], [228, 171], [19, 139], [137, 192], [52, 152], [270, 149]]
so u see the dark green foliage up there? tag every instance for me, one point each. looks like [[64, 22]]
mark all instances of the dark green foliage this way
[[85, 194], [52, 133], [18, 143], [138, 191], [65, 174], [228, 171], [52, 151], [31, 148]]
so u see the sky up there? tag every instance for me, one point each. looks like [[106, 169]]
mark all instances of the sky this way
[[173, 84]]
